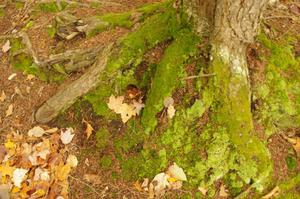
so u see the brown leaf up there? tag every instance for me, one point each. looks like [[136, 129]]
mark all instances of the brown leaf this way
[[2, 97], [89, 129], [223, 191], [9, 110], [6, 46], [137, 186], [295, 143]]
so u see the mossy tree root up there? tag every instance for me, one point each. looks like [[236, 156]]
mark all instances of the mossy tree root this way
[[126, 55], [67, 95], [69, 26]]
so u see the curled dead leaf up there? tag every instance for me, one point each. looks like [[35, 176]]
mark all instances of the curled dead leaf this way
[[67, 136], [2, 97], [36, 131], [174, 171], [89, 129], [6, 46]]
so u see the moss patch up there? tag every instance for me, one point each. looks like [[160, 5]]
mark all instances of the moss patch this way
[[279, 93], [121, 67]]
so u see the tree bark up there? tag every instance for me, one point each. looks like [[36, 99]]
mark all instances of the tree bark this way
[[233, 25]]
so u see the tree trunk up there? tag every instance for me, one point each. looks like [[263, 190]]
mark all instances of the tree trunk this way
[[233, 25]]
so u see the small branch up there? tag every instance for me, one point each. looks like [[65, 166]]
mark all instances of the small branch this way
[[68, 94], [199, 76], [86, 184]]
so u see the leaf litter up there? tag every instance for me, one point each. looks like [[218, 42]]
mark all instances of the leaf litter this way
[[172, 179], [37, 164]]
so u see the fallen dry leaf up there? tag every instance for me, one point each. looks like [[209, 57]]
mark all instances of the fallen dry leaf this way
[[52, 130], [30, 77], [72, 161], [137, 186], [19, 176], [171, 111], [138, 107], [41, 174], [36, 131], [126, 111], [115, 102], [67, 136], [275, 192], [203, 190], [223, 191], [168, 102], [2, 97], [160, 183], [145, 184], [295, 141], [89, 129], [174, 171], [6, 46], [9, 110]]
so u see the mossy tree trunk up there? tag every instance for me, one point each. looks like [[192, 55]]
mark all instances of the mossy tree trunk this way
[[233, 24]]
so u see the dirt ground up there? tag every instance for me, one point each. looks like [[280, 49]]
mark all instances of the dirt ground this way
[[25, 94]]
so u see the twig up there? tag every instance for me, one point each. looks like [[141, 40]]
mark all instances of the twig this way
[[86, 184], [199, 76]]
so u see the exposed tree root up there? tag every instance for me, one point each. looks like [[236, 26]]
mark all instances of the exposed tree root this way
[[73, 60], [67, 95]]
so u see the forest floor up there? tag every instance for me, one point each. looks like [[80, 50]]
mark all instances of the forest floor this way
[[92, 178]]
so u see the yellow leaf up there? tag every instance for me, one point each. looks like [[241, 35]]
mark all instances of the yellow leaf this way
[[9, 144], [62, 172], [138, 186], [15, 189], [39, 193], [6, 170], [172, 179], [89, 129]]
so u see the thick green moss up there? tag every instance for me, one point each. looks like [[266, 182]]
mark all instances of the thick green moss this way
[[125, 19], [232, 112], [290, 188], [102, 138], [121, 67], [279, 93], [168, 75], [52, 6]]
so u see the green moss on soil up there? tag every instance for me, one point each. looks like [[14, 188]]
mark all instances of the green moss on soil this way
[[279, 93], [21, 60], [52, 6], [125, 19], [290, 188]]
